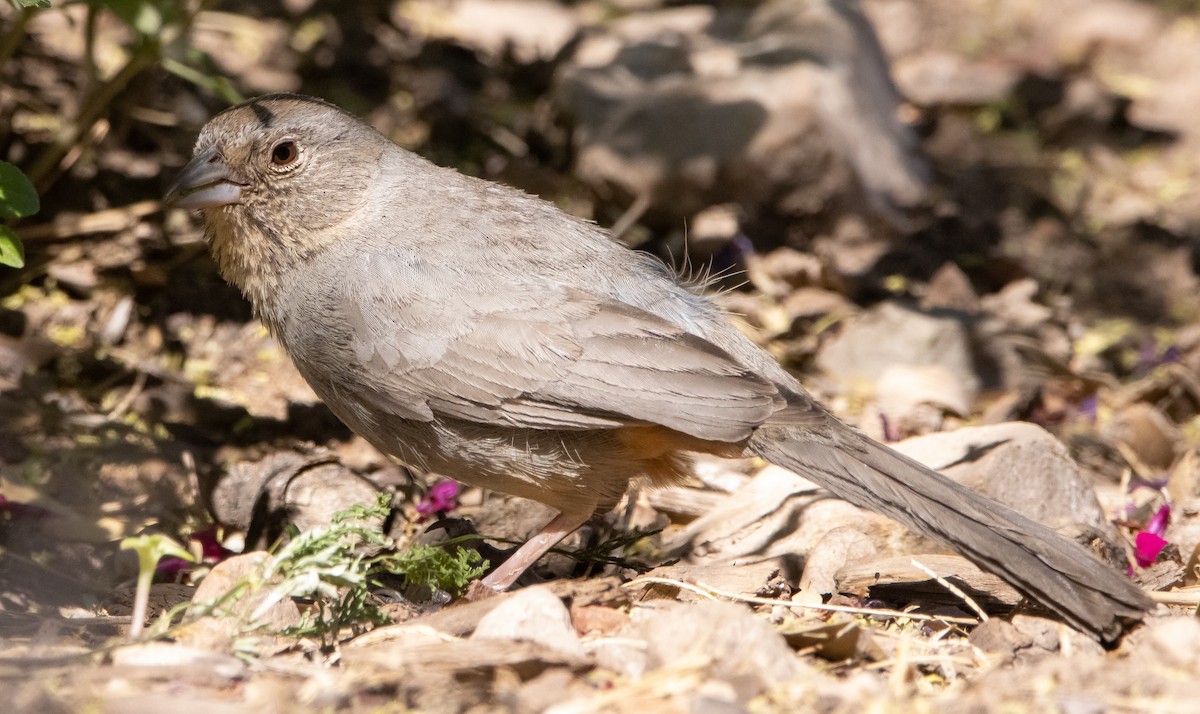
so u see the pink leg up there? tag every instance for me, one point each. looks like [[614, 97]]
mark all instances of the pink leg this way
[[558, 528]]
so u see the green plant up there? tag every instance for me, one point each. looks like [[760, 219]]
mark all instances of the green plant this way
[[150, 549], [161, 29], [18, 199], [334, 568]]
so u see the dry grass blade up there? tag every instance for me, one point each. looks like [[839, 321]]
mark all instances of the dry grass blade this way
[[983, 617]]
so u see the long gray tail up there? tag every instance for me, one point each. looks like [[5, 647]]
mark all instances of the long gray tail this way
[[1043, 565]]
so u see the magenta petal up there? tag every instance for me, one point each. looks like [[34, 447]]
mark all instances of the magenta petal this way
[[443, 496], [211, 550], [1146, 548], [1159, 521], [171, 567]]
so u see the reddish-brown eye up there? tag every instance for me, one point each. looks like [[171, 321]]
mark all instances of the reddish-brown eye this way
[[284, 153]]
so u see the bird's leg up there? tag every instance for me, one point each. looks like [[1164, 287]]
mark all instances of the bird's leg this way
[[558, 528]]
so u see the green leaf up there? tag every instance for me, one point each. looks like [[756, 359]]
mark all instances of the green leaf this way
[[12, 253], [152, 548], [33, 3], [148, 17], [18, 197]]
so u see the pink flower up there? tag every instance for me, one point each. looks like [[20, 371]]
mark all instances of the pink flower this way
[[443, 496], [1159, 521], [1146, 547], [1148, 543], [211, 552]]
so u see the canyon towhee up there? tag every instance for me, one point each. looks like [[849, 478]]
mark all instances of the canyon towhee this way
[[474, 331]]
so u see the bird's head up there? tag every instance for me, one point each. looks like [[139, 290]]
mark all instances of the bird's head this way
[[274, 178]]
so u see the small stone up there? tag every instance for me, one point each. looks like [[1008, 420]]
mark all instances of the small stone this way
[[534, 615]]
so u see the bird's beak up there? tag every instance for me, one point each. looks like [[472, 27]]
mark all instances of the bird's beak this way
[[206, 182]]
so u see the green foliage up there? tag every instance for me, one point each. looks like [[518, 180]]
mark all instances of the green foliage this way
[[153, 20], [42, 4], [12, 253], [335, 568], [18, 198], [147, 17], [435, 567]]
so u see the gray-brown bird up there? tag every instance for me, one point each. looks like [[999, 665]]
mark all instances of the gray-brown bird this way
[[477, 332]]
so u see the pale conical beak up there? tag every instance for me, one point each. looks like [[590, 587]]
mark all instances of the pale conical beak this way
[[206, 182]]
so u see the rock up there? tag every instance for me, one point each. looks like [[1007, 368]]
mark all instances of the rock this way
[[714, 698], [301, 489], [533, 614], [1018, 464], [1172, 641], [236, 618], [598, 620], [552, 687], [672, 111], [999, 637], [889, 335], [838, 548], [749, 521], [903, 388], [727, 640], [1148, 434], [531, 30]]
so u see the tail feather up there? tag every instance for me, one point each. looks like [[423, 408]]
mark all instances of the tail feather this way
[[1053, 570]]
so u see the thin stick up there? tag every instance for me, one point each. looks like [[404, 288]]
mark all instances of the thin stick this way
[[954, 589], [1186, 596]]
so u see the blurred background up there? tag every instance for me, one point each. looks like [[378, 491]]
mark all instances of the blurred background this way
[[936, 213]]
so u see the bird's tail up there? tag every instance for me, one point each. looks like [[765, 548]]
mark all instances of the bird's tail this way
[[1043, 565]]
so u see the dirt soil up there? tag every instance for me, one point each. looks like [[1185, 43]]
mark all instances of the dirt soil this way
[[1034, 213]]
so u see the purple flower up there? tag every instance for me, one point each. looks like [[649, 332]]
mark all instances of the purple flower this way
[[1148, 543], [171, 567], [443, 496], [1146, 547], [1159, 521], [211, 552]]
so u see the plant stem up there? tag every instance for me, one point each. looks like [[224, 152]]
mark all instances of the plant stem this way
[[42, 172], [141, 601]]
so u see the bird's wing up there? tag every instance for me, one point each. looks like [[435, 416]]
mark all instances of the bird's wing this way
[[434, 343]]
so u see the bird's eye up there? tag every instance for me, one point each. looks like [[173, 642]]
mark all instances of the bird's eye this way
[[284, 154]]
